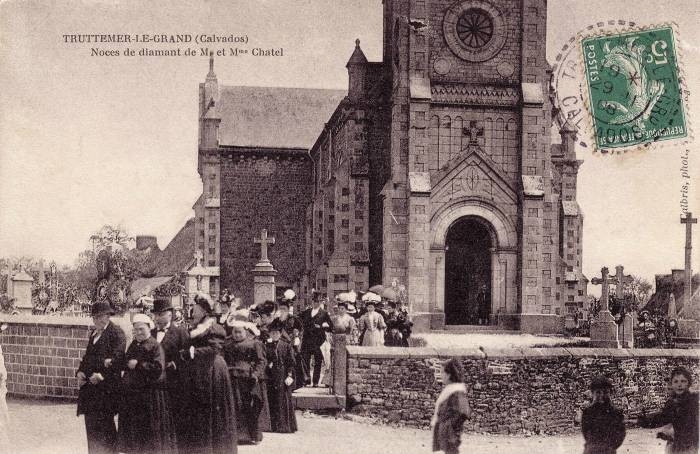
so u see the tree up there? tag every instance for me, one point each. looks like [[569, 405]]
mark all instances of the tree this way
[[116, 237], [640, 288]]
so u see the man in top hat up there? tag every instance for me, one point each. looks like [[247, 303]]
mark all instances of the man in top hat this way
[[172, 339], [316, 323], [292, 333], [98, 376]]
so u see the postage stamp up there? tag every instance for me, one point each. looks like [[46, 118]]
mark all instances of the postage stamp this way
[[633, 88]]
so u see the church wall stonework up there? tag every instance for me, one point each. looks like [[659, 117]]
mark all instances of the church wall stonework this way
[[279, 186]]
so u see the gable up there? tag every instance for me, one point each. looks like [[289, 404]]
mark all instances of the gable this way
[[471, 175]]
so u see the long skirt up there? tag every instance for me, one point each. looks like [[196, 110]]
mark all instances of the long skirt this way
[[248, 399], [210, 421], [145, 423], [374, 338], [282, 414]]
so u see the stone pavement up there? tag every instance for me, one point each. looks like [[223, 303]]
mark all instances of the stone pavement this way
[[52, 428]]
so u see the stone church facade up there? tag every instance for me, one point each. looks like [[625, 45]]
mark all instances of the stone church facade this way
[[436, 171]]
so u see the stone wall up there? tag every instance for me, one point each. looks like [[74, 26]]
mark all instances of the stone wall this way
[[42, 354], [512, 391]]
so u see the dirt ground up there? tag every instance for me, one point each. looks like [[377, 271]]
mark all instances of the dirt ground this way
[[52, 428]]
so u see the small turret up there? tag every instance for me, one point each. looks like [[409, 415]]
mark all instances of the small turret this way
[[209, 135], [357, 68]]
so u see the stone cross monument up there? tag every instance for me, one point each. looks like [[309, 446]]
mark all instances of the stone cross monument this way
[[689, 220], [626, 326], [603, 326], [264, 241], [264, 273]]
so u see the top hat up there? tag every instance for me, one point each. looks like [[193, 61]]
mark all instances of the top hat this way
[[101, 308], [162, 305], [601, 382]]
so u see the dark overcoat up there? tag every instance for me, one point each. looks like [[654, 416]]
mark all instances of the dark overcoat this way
[[451, 415], [210, 419], [603, 428], [682, 413], [314, 332], [103, 397], [145, 420]]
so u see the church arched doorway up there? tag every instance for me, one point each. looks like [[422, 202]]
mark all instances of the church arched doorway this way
[[468, 247]]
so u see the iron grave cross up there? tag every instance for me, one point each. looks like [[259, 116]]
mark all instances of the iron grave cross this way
[[605, 292], [688, 220], [264, 241]]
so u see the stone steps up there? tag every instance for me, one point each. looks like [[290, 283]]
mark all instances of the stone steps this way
[[317, 399], [474, 329]]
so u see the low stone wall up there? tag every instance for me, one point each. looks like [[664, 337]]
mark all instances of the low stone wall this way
[[42, 354], [512, 391]]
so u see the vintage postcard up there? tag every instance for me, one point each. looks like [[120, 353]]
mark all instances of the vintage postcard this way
[[349, 227]]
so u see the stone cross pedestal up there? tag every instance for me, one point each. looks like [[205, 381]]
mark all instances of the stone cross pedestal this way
[[264, 273], [603, 326]]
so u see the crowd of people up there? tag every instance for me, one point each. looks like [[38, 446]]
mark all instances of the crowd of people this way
[[217, 375]]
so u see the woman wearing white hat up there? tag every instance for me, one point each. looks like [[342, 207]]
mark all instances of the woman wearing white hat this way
[[371, 324], [145, 421]]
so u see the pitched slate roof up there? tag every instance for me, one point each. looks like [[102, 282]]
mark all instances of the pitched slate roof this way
[[178, 254], [274, 117]]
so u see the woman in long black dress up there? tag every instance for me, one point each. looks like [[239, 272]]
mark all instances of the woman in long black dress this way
[[145, 422], [281, 366], [245, 357], [211, 419]]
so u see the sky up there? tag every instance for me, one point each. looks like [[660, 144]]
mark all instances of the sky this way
[[93, 140]]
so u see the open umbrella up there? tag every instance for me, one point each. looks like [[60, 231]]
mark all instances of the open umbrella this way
[[378, 289], [390, 294]]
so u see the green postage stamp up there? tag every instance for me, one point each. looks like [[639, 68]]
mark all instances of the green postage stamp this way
[[634, 88]]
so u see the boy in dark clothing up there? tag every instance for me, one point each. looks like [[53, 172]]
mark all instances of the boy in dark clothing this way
[[602, 424], [680, 412]]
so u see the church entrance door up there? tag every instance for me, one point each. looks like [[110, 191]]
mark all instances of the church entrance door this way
[[468, 273]]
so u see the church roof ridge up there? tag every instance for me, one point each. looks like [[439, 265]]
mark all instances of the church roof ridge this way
[[276, 87]]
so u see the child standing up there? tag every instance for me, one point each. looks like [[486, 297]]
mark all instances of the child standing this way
[[680, 412], [451, 409], [602, 424]]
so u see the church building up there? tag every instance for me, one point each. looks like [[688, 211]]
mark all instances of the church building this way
[[436, 170]]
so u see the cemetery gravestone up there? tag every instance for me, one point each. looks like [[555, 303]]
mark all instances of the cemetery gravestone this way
[[603, 326], [264, 273]]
